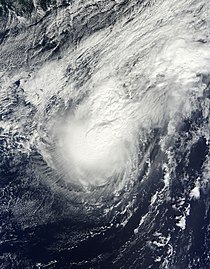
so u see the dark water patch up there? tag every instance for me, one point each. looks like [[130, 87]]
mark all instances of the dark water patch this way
[[198, 155]]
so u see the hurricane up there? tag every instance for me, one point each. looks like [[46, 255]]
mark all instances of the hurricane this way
[[104, 134]]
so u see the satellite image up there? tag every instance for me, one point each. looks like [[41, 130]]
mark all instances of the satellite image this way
[[104, 134]]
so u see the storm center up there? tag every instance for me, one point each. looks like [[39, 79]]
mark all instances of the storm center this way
[[98, 137]]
